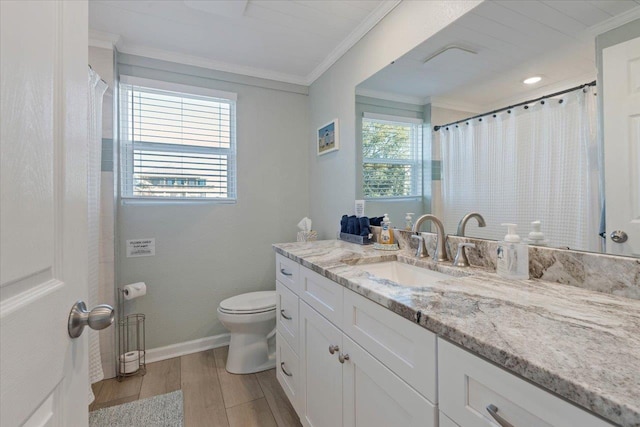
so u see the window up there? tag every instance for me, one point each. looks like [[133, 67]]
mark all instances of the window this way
[[391, 156], [178, 142]]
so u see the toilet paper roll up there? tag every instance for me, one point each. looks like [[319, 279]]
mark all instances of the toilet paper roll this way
[[129, 362], [135, 290]]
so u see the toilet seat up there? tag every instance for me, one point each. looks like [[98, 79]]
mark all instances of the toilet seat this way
[[250, 303]]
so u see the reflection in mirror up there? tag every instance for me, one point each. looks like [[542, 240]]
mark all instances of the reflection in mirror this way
[[512, 123]]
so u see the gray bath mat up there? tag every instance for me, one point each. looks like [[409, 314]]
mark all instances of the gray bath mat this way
[[157, 411]]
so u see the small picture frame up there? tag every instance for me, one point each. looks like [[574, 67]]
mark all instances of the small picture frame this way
[[328, 138]]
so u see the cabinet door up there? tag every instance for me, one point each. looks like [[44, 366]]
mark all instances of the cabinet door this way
[[321, 372], [375, 396]]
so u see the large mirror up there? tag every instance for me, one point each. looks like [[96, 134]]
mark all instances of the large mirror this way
[[454, 126]]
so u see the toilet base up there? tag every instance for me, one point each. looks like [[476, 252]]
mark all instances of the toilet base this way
[[250, 353]]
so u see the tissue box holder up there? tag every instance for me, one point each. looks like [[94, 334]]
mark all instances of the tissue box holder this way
[[307, 236]]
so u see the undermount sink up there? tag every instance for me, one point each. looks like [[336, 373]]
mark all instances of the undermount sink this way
[[404, 274]]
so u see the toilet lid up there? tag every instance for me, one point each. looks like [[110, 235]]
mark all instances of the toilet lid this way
[[251, 302]]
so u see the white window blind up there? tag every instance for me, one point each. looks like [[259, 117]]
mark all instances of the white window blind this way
[[392, 156], [177, 142]]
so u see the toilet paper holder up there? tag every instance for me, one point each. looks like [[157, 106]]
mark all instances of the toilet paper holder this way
[[131, 338]]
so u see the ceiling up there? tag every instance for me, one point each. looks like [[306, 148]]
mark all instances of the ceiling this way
[[512, 40], [288, 40]]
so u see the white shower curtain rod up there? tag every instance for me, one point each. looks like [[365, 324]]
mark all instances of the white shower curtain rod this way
[[562, 92]]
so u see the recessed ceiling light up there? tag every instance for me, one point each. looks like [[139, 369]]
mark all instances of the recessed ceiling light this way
[[532, 80]]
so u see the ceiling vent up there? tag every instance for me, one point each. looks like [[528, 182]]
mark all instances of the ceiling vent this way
[[451, 55]]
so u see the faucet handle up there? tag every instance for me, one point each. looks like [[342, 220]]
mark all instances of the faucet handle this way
[[421, 252], [461, 259]]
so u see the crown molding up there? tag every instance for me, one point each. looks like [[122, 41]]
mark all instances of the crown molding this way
[[198, 61], [354, 37], [109, 41], [614, 22], [390, 96], [103, 39], [453, 104]]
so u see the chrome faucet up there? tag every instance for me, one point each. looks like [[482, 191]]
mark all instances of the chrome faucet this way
[[441, 249], [463, 222]]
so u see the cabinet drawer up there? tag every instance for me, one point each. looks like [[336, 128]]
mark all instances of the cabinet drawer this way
[[468, 385], [404, 347], [288, 371], [287, 272], [322, 294], [287, 315], [376, 397]]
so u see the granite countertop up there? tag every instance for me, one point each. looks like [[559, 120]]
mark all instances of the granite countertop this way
[[582, 345]]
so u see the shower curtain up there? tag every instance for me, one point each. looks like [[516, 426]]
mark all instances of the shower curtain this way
[[97, 88], [535, 163]]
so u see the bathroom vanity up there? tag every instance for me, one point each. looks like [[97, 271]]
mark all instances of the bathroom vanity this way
[[467, 349]]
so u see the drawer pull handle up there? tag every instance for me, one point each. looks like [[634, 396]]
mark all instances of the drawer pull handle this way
[[284, 315], [493, 411], [284, 370], [342, 357], [285, 272], [333, 349]]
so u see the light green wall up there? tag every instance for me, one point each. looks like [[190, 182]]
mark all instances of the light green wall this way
[[332, 95], [207, 252]]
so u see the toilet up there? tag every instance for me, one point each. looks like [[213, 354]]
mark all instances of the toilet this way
[[251, 320]]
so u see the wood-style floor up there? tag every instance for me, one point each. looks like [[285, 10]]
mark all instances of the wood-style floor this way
[[212, 396]]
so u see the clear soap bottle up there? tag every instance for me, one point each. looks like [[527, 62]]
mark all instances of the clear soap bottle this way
[[513, 256], [386, 235]]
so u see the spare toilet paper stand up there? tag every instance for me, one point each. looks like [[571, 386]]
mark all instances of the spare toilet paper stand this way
[[131, 338]]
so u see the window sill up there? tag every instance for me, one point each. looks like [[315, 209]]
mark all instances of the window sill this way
[[394, 199], [155, 201]]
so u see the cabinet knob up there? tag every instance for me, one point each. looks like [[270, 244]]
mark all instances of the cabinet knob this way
[[342, 357], [333, 349]]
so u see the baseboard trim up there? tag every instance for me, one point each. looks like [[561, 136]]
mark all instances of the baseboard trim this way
[[187, 347]]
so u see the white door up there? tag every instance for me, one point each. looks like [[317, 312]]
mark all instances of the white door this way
[[376, 397], [43, 211], [321, 372], [621, 101]]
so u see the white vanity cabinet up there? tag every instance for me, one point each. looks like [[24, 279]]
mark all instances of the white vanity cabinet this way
[[469, 387], [344, 360], [352, 358]]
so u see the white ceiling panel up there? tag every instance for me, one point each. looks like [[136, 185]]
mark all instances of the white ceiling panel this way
[[286, 40], [513, 40]]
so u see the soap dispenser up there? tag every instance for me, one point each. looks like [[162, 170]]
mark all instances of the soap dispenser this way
[[513, 256], [536, 237], [408, 221], [386, 236]]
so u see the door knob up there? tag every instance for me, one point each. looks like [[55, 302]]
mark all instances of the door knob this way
[[619, 236], [99, 318]]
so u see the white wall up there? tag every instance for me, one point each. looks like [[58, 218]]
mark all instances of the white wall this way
[[206, 253], [332, 176], [101, 60]]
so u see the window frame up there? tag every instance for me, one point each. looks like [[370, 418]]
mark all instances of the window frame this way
[[128, 147], [416, 163]]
